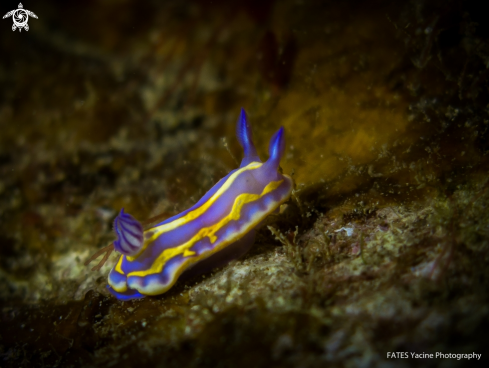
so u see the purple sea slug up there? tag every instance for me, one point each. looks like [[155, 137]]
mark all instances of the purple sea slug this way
[[218, 228]]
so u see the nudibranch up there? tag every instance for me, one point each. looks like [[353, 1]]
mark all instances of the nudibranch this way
[[218, 228]]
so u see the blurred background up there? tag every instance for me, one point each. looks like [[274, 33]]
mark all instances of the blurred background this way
[[383, 245]]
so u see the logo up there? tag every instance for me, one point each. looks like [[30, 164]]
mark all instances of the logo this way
[[20, 17]]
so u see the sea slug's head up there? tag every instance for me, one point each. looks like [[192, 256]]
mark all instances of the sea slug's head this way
[[129, 233], [257, 175]]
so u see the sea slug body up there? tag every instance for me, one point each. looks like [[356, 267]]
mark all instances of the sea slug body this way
[[218, 228]]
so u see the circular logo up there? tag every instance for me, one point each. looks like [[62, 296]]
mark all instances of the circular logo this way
[[20, 18]]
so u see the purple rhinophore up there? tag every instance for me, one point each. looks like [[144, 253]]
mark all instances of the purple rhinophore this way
[[245, 139]]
